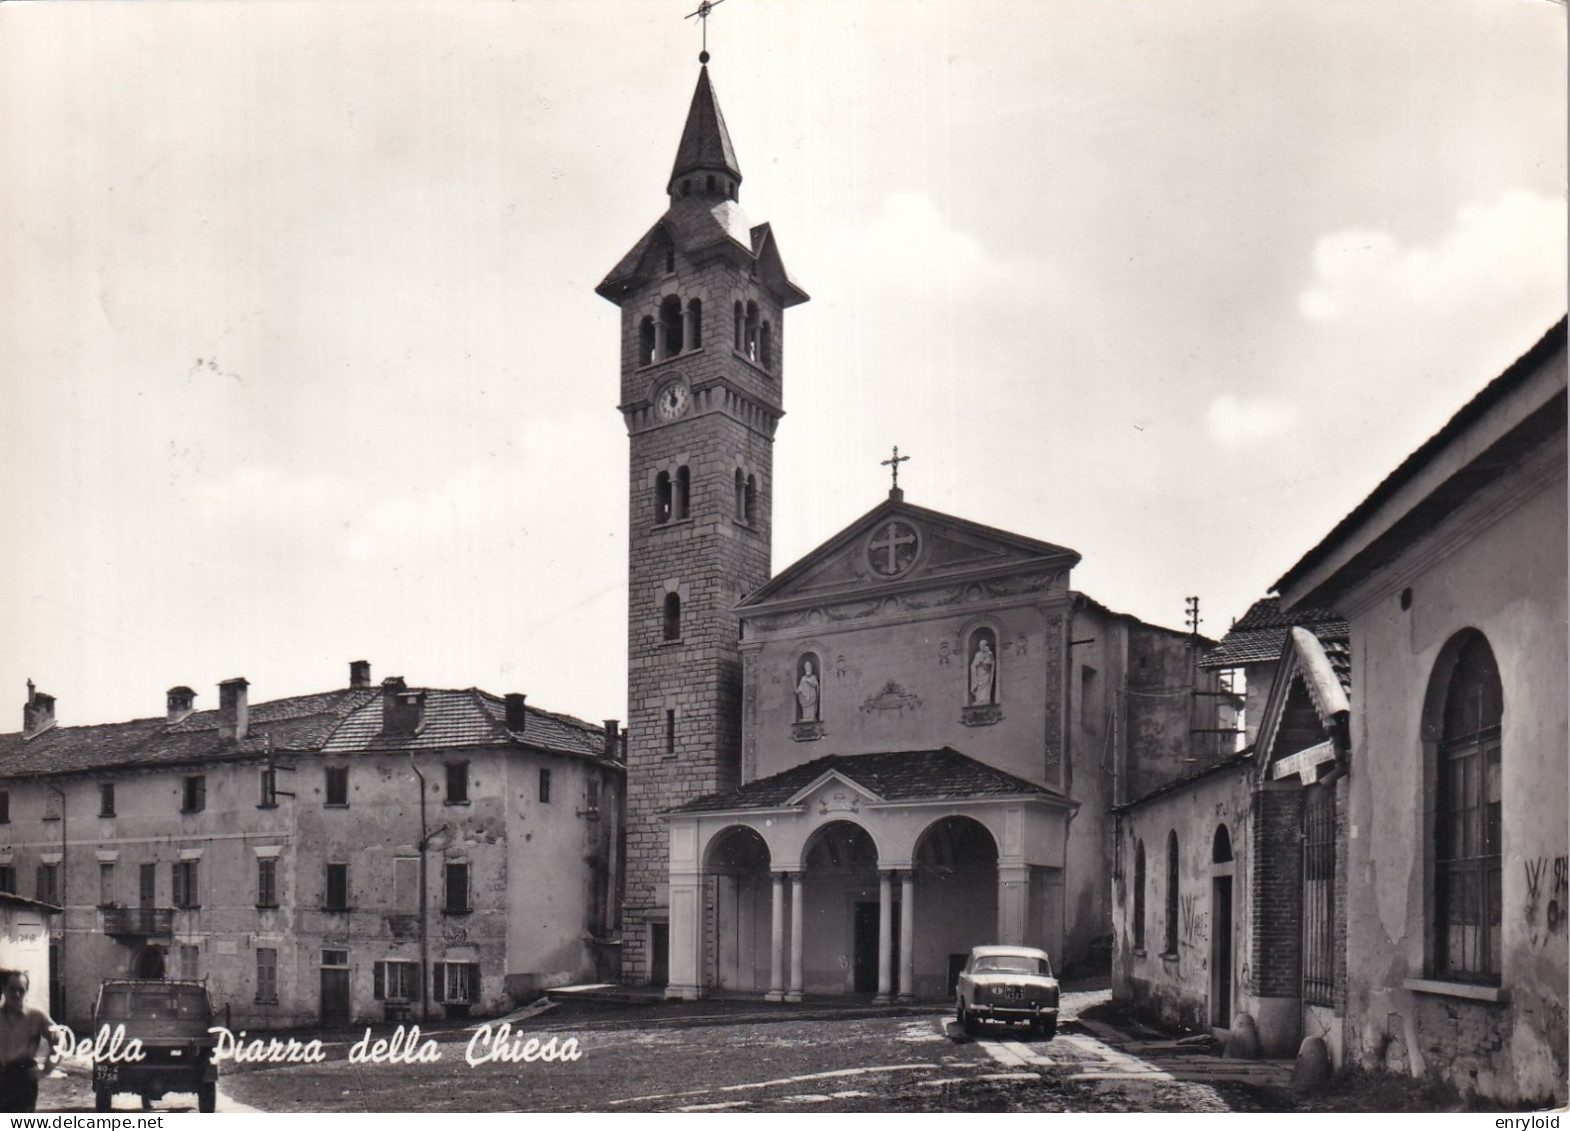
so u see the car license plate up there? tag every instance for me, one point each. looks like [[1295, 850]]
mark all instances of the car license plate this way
[[1013, 993]]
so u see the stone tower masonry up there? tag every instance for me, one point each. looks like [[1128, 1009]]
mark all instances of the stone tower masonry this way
[[702, 296]]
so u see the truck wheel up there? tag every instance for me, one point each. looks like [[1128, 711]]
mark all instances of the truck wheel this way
[[207, 1097], [103, 1099]]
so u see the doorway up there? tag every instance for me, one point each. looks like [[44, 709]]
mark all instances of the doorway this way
[[864, 975], [1221, 951], [335, 987]]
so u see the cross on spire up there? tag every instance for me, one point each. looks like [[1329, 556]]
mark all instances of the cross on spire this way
[[702, 13], [893, 464]]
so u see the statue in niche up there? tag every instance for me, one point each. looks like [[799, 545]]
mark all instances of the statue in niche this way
[[983, 672], [808, 692]]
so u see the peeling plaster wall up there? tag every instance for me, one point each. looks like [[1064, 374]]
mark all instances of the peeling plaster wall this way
[[1505, 577]]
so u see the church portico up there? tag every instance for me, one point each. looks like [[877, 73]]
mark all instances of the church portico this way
[[818, 881]]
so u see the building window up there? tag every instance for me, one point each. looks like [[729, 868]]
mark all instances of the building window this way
[[395, 981], [740, 322], [48, 890], [593, 806], [337, 888], [545, 787], [457, 783], [338, 785], [750, 333], [1319, 890], [8, 879], [5, 806], [694, 324], [670, 323], [457, 899], [670, 259], [190, 961], [267, 881], [766, 346], [681, 500], [186, 893], [1466, 897], [105, 884], [646, 342], [1169, 946], [670, 732], [1139, 895], [147, 884], [457, 983], [269, 789], [106, 799], [672, 617], [266, 975], [193, 795], [662, 498]]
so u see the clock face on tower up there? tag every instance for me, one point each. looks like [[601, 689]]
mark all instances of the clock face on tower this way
[[672, 401]]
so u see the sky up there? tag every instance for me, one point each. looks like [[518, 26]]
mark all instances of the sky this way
[[302, 362]]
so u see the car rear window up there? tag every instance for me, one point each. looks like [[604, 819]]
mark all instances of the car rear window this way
[[1012, 964], [182, 1003]]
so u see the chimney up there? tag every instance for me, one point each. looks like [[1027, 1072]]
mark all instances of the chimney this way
[[400, 707], [233, 714], [517, 716], [359, 673], [38, 713], [623, 757], [181, 701], [611, 727]]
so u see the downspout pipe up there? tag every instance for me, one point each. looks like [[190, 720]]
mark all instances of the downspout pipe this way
[[425, 956]]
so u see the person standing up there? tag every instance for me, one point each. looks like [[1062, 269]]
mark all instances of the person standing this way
[[21, 1029]]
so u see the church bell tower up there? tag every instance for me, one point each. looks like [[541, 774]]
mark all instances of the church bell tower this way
[[702, 297]]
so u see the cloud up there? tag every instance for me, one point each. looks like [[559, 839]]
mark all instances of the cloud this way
[[1515, 246], [1236, 421]]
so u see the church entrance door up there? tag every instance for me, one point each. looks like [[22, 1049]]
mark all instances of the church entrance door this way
[[865, 943]]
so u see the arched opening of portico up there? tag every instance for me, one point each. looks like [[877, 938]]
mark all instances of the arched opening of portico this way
[[956, 894], [736, 867], [840, 900]]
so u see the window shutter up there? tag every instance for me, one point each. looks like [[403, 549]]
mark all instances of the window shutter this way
[[378, 981], [438, 991], [474, 982]]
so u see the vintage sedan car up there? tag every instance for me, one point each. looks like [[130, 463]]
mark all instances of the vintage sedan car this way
[[1008, 984], [170, 1019]]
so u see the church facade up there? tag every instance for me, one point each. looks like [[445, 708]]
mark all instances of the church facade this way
[[843, 777]]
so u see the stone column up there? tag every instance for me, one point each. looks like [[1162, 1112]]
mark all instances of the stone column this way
[[885, 936], [777, 942], [907, 937], [797, 891]]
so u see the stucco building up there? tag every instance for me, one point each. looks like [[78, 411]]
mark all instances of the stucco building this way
[[1399, 824], [841, 778], [362, 853]]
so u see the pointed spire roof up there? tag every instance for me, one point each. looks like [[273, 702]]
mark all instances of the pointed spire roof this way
[[705, 143]]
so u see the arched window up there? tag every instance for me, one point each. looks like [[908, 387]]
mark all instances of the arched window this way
[[1221, 846], [750, 347], [646, 341], [1139, 895], [1467, 797], [766, 347], [694, 324], [670, 321], [710, 184], [672, 616], [683, 492], [686, 188], [1169, 946], [749, 500], [662, 497], [741, 319], [670, 259]]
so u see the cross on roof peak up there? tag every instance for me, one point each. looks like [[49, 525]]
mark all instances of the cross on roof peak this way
[[893, 464]]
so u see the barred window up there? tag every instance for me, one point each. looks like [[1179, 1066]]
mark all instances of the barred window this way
[[1319, 891], [1466, 897]]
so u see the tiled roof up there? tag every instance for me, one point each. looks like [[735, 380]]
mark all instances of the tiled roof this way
[[914, 775], [1260, 634], [1240, 760], [348, 720]]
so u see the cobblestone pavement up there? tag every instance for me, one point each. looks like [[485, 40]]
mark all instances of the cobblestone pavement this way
[[742, 1057]]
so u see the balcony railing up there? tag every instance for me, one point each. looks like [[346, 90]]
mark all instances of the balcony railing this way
[[144, 921]]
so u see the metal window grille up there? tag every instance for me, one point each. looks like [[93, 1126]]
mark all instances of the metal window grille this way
[[1319, 890]]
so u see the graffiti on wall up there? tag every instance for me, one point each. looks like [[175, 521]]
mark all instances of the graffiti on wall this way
[[1196, 922], [1547, 886]]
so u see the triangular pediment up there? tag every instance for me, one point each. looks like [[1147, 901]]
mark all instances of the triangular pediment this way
[[1306, 712], [833, 792], [901, 547]]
